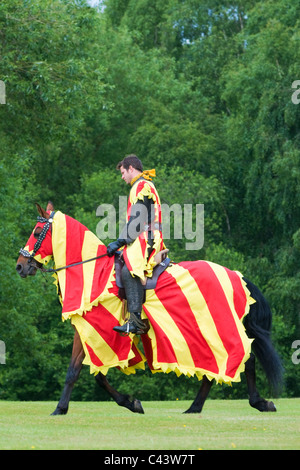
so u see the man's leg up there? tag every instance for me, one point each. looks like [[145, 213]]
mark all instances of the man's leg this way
[[135, 295]]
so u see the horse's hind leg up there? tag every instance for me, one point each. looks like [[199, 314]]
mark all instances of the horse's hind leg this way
[[122, 400], [197, 405], [255, 400], [71, 377]]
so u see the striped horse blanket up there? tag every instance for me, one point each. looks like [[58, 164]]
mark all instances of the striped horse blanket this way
[[195, 312]]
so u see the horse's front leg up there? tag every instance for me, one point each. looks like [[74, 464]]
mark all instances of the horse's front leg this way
[[72, 376], [122, 400]]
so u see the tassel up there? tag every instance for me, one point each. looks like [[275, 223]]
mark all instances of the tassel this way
[[149, 174]]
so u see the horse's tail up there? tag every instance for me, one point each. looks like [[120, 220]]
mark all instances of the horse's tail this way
[[258, 326]]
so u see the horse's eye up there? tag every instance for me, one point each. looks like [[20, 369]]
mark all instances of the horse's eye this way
[[37, 233]]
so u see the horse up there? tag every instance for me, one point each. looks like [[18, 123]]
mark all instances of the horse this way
[[70, 246]]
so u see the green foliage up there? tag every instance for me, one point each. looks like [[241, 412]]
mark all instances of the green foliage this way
[[201, 92]]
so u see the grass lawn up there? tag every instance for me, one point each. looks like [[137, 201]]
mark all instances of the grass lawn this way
[[226, 425]]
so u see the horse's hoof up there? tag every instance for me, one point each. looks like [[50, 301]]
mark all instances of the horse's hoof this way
[[59, 412], [263, 405], [137, 407], [192, 410], [271, 406]]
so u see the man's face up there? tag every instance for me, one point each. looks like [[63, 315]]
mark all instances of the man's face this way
[[127, 175]]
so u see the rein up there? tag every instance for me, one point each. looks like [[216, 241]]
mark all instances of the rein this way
[[42, 235], [71, 265]]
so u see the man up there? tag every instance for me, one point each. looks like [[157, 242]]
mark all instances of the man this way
[[141, 238]]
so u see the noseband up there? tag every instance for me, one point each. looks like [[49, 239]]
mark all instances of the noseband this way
[[41, 238]]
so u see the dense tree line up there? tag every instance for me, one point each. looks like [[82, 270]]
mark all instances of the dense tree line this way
[[201, 91]]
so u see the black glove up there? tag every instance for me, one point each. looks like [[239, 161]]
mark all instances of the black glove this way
[[114, 246]]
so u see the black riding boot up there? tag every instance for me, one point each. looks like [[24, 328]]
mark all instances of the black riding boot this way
[[134, 294]]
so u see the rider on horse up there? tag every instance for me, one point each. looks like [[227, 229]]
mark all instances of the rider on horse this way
[[141, 238]]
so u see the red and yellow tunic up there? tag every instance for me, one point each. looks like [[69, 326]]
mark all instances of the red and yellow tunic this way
[[136, 254]]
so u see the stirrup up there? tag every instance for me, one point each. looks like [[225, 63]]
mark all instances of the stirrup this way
[[133, 325]]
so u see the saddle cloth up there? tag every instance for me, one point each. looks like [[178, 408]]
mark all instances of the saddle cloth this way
[[151, 281]]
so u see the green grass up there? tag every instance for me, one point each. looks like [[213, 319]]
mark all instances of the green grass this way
[[222, 425]]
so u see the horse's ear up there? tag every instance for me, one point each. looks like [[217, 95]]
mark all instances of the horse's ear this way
[[50, 206], [42, 211]]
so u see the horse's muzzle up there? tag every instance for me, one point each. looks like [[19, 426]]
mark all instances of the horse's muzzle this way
[[26, 267]]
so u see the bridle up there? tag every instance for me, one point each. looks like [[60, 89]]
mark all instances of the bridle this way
[[41, 237], [38, 243]]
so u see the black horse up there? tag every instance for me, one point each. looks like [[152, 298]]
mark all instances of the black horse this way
[[257, 324]]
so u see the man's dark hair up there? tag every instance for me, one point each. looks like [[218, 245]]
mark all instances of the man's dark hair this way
[[130, 160]]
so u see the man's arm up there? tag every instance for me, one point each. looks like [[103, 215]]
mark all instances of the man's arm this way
[[141, 215]]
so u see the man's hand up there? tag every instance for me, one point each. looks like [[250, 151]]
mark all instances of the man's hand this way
[[114, 246]]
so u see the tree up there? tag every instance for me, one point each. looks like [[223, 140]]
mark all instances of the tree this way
[[54, 86]]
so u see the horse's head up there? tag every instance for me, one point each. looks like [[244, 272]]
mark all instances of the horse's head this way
[[38, 249]]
